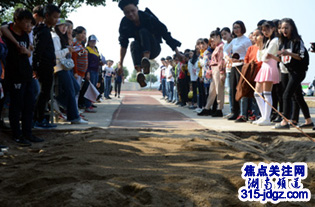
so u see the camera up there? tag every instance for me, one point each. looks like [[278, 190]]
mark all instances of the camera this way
[[312, 49]]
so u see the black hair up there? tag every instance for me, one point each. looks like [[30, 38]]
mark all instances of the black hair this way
[[269, 25], [49, 9], [225, 29], [206, 40], [261, 22], [242, 25], [39, 10], [69, 22], [162, 59], [78, 30], [22, 13], [63, 37], [187, 51], [294, 31], [123, 3], [33, 22], [168, 58], [276, 22], [216, 32], [194, 57]]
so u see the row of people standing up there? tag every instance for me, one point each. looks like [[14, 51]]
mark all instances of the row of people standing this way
[[274, 59], [38, 57]]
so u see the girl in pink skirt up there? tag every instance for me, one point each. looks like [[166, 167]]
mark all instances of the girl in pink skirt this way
[[269, 72]]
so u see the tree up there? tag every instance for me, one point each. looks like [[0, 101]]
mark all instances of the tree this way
[[66, 6], [133, 77], [151, 78]]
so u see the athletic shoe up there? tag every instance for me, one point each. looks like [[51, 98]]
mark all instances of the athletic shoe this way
[[198, 110], [94, 106], [118, 96], [279, 126], [145, 65], [241, 119], [33, 138], [90, 110], [192, 107], [233, 117], [257, 121], [21, 141], [217, 113], [264, 123], [44, 125], [228, 116], [141, 80], [204, 112], [79, 121], [278, 119]]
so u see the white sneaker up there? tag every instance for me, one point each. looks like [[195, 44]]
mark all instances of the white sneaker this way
[[264, 123], [80, 121], [258, 121], [198, 110]]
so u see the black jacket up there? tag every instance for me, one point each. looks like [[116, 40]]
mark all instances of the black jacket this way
[[128, 30], [44, 57]]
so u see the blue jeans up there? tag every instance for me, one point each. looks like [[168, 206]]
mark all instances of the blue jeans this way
[[230, 97], [249, 103], [68, 88], [170, 87], [164, 87], [175, 94], [108, 81]]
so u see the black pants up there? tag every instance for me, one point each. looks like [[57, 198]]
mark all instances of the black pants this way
[[202, 94], [277, 93], [183, 90], [45, 81], [117, 87], [294, 91], [234, 79], [145, 43], [194, 88], [21, 106]]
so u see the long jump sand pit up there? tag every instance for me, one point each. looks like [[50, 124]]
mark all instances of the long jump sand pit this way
[[119, 167]]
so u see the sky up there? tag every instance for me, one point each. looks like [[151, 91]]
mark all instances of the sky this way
[[188, 20]]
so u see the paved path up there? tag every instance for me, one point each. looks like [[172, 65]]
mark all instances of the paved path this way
[[143, 111]]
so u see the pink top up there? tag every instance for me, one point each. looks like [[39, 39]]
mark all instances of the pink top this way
[[217, 57]]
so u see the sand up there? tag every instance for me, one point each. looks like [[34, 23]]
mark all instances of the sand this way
[[129, 167]]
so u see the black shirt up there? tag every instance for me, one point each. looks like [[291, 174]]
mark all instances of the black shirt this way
[[296, 47], [18, 68], [128, 30], [44, 58]]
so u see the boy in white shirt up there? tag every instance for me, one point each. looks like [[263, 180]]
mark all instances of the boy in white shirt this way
[[108, 72]]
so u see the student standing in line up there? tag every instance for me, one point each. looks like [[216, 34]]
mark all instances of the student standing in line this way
[[217, 65], [68, 87], [296, 59], [193, 70], [239, 46], [119, 79], [269, 72], [228, 37], [249, 102], [44, 60], [108, 78], [18, 77]]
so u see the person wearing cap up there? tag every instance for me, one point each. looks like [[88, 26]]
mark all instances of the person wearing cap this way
[[67, 85], [94, 62], [147, 31]]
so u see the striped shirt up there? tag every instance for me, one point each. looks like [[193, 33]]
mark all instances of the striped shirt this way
[[80, 58]]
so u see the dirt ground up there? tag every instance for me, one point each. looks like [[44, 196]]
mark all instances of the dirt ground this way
[[129, 167]]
